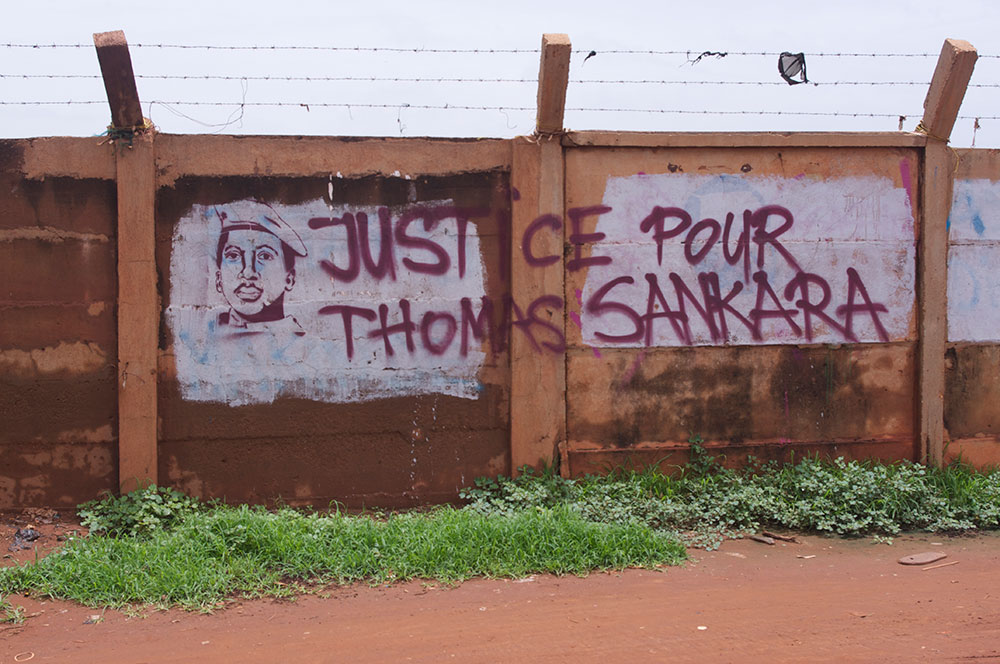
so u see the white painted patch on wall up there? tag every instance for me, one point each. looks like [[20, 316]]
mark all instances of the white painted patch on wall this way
[[973, 258], [235, 343], [852, 237]]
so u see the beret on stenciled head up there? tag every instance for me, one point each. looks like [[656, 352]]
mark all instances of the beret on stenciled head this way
[[259, 216]]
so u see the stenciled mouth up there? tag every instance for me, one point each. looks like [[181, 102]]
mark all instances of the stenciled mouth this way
[[248, 292]]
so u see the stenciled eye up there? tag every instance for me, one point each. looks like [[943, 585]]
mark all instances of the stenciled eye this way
[[266, 255], [232, 255]]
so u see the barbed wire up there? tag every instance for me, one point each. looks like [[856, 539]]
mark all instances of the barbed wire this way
[[724, 54], [404, 79], [468, 107], [486, 51], [293, 47]]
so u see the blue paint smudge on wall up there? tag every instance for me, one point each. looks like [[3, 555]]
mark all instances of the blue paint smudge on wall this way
[[977, 225]]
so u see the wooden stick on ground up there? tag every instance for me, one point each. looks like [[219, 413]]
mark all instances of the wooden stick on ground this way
[[953, 562]]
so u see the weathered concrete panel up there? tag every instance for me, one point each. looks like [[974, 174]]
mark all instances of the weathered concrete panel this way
[[57, 333], [303, 415], [699, 274], [972, 363], [67, 207], [86, 271], [972, 398], [384, 469], [68, 408], [973, 256], [33, 326], [735, 395], [56, 474]]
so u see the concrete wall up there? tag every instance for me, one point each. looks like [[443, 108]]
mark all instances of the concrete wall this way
[[972, 396], [379, 321], [762, 300], [58, 402], [385, 379]]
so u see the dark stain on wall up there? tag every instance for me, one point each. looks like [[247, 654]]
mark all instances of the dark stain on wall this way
[[11, 154], [694, 399], [63, 203], [740, 395], [972, 392]]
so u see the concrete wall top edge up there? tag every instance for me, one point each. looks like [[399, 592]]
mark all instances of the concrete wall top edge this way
[[197, 155], [59, 156], [742, 139], [976, 163]]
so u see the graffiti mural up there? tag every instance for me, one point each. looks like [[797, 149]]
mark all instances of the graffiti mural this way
[[973, 255], [326, 303], [679, 260], [353, 303]]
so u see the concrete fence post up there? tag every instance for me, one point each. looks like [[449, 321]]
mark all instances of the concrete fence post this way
[[538, 370], [553, 79], [138, 311], [944, 98]]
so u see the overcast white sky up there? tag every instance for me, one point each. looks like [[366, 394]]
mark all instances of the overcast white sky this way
[[844, 26]]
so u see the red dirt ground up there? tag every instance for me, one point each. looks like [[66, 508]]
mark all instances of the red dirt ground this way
[[851, 602]]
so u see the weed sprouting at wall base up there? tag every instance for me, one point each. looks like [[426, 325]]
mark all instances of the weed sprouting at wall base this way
[[705, 501], [138, 513]]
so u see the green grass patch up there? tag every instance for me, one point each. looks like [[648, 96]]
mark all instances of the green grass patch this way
[[223, 551], [9, 613], [705, 502]]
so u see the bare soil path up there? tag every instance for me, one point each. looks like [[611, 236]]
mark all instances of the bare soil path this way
[[822, 600]]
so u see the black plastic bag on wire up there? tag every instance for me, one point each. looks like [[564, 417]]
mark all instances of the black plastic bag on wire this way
[[792, 67]]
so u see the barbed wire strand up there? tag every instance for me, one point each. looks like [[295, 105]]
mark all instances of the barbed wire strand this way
[[465, 107], [486, 51], [401, 79]]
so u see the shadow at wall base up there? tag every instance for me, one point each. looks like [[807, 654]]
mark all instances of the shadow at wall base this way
[[669, 457]]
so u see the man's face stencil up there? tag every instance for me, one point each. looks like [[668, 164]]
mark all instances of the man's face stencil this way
[[252, 274]]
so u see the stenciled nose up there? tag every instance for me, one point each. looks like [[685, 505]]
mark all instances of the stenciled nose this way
[[249, 270]]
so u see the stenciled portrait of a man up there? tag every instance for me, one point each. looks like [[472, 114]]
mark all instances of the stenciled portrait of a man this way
[[255, 269]]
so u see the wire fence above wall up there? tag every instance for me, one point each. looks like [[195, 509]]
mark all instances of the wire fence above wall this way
[[375, 90]]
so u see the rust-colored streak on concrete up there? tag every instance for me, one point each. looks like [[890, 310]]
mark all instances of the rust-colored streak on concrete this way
[[977, 163], [43, 408], [257, 156], [85, 274]]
